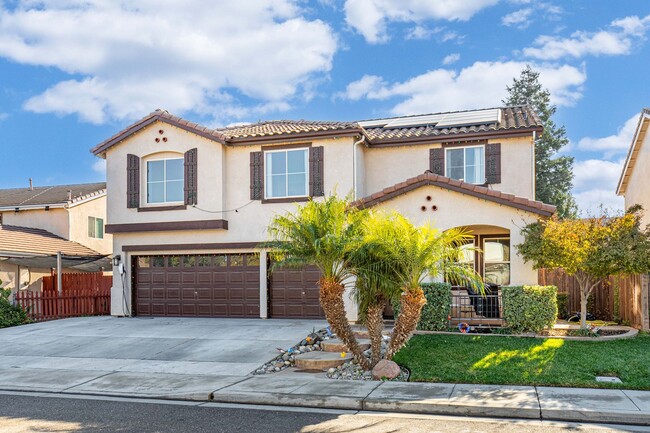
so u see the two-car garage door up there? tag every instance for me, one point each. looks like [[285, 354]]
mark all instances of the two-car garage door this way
[[220, 285]]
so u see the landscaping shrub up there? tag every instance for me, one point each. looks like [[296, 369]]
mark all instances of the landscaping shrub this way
[[562, 305], [529, 308], [10, 315], [435, 314]]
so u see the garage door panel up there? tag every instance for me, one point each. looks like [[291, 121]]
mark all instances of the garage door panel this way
[[203, 278], [294, 293], [158, 277], [188, 277]]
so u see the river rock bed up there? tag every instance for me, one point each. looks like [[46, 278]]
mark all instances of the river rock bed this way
[[352, 371], [286, 358]]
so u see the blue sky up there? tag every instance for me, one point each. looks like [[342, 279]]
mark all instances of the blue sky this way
[[73, 72]]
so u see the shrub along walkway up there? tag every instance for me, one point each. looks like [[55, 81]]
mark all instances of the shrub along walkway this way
[[527, 361]]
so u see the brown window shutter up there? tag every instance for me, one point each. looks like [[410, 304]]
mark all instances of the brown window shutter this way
[[257, 175], [132, 181], [493, 163], [191, 183], [316, 186], [437, 161]]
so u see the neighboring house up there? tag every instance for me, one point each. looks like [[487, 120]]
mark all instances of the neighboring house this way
[[38, 222], [187, 205], [633, 184]]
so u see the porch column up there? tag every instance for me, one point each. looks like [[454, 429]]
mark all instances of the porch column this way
[[263, 287]]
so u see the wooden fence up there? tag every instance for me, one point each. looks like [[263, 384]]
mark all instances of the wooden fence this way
[[621, 297], [79, 281], [50, 305]]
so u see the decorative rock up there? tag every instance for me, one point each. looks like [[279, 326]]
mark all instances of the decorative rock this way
[[386, 369]]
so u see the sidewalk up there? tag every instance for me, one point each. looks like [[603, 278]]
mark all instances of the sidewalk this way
[[291, 388]]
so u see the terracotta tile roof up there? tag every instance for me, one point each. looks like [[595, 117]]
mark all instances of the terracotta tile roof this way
[[50, 195], [512, 120], [14, 239], [478, 191]]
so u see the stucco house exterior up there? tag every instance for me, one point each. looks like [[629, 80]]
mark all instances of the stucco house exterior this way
[[188, 205], [37, 222], [633, 184]]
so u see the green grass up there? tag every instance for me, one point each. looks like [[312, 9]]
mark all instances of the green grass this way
[[527, 361]]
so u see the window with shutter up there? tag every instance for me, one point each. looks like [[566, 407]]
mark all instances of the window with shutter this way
[[191, 182], [316, 184], [257, 175], [493, 163], [437, 161], [132, 181]]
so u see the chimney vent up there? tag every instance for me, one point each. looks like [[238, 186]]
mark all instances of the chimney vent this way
[[69, 195], [31, 184]]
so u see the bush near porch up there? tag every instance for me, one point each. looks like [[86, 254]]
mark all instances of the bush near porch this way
[[527, 361], [435, 313], [10, 315], [529, 308]]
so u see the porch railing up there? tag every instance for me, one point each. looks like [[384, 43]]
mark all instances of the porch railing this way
[[476, 310]]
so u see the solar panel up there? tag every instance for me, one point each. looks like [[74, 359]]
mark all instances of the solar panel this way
[[478, 117], [429, 119], [374, 123]]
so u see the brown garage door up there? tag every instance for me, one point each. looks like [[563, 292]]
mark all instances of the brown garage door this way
[[294, 293], [217, 285]]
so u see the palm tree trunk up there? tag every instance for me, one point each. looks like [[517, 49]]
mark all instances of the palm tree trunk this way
[[411, 304], [331, 299], [375, 324]]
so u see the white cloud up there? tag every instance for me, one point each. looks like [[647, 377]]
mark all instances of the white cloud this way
[[519, 18], [99, 166], [451, 58], [480, 85], [618, 39], [125, 61], [595, 185], [615, 143], [371, 17]]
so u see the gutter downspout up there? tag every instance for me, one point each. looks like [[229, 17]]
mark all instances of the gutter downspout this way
[[532, 157], [354, 165]]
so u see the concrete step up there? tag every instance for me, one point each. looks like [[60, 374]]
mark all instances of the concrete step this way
[[336, 345], [319, 360]]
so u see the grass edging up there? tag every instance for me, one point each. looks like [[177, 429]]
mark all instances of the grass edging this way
[[631, 333]]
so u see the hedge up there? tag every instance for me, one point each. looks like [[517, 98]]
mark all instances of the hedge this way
[[435, 313], [562, 305], [529, 308], [10, 315]]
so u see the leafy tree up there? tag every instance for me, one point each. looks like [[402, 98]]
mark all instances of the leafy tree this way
[[553, 174], [10, 315], [591, 249], [325, 234]]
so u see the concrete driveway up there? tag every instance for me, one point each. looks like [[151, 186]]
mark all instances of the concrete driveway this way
[[148, 356]]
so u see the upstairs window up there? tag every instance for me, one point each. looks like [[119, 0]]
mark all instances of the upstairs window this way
[[165, 181], [466, 164], [95, 228], [286, 173]]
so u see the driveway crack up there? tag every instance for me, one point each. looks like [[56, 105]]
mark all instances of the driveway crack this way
[[89, 380]]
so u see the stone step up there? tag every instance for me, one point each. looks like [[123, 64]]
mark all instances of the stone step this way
[[319, 360], [336, 345]]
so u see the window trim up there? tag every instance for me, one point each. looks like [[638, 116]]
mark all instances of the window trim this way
[[509, 262], [464, 148], [146, 182], [267, 185], [94, 227]]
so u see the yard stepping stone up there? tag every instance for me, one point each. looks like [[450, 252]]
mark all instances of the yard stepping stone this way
[[319, 360], [336, 345]]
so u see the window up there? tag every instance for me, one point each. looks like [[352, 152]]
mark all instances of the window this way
[[286, 173], [95, 228], [165, 181], [466, 164], [496, 259]]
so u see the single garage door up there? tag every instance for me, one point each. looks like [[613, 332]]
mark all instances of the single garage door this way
[[294, 293], [216, 285]]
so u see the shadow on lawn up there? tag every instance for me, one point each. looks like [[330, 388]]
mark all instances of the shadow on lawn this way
[[538, 356]]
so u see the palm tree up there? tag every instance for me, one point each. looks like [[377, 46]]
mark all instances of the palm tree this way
[[322, 233], [409, 254]]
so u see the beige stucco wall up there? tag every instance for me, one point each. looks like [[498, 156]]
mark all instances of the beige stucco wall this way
[[390, 165], [30, 279], [54, 220], [461, 210], [638, 190], [79, 225]]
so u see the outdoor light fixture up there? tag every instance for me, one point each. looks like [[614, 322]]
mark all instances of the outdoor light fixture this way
[[116, 260]]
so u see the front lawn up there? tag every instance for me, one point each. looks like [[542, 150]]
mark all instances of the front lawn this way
[[527, 361]]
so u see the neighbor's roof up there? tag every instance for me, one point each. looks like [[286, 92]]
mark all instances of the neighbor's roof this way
[[50, 195], [439, 126], [635, 147], [477, 191], [14, 239]]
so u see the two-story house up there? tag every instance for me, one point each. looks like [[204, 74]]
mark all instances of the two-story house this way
[[38, 222], [633, 183], [187, 205]]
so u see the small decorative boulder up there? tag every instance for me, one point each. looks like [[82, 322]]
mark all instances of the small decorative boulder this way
[[386, 369]]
